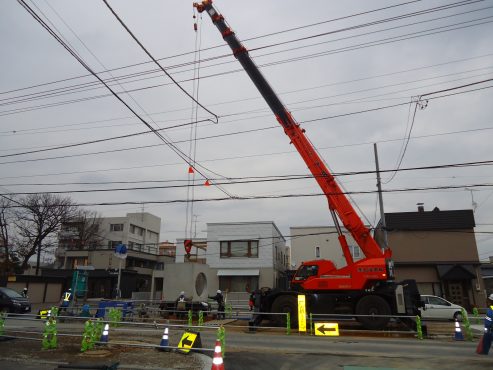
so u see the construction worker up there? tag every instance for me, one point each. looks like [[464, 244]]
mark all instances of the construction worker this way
[[181, 305], [24, 292], [488, 327], [220, 304], [66, 299], [251, 301]]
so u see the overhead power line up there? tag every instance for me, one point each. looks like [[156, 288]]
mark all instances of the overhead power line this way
[[156, 62], [54, 128], [246, 179], [252, 179], [235, 133], [260, 197], [66, 90], [170, 144], [210, 48]]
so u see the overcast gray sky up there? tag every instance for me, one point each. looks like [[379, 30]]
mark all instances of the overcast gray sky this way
[[350, 73]]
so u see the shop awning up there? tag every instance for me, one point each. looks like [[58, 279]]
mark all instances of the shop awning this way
[[238, 272]]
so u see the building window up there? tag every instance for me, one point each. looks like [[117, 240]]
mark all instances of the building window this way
[[112, 244], [317, 252], [239, 248], [355, 251], [116, 227], [238, 283]]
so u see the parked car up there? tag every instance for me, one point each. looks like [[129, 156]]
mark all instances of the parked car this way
[[12, 301], [440, 309]]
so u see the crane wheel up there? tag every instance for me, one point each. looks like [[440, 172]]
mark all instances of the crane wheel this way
[[285, 304], [373, 305]]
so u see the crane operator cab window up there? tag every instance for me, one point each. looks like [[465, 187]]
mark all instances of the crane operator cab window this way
[[305, 271]]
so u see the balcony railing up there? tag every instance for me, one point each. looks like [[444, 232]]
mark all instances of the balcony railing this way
[[150, 249]]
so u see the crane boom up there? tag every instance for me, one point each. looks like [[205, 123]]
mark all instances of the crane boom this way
[[338, 202], [365, 288]]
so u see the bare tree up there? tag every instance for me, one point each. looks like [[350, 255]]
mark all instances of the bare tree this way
[[84, 229], [37, 223], [6, 226]]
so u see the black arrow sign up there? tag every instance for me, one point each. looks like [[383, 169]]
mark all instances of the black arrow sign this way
[[186, 342], [323, 329]]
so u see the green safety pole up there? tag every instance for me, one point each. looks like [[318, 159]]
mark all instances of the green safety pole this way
[[201, 318], [311, 323], [98, 327], [190, 319], [288, 323], [2, 322], [54, 311], [115, 316], [88, 337], [476, 315], [50, 334], [419, 329], [221, 336], [467, 324], [229, 310]]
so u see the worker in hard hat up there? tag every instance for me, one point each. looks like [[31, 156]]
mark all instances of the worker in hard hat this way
[[219, 298], [66, 299], [488, 327], [181, 305]]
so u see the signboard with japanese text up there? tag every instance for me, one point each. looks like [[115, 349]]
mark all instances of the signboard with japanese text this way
[[301, 313]]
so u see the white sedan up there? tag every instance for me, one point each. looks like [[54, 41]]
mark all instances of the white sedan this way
[[439, 308]]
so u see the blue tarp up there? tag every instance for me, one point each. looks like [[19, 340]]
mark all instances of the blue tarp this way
[[104, 306]]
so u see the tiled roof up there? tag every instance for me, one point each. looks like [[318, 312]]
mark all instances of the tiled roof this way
[[431, 220]]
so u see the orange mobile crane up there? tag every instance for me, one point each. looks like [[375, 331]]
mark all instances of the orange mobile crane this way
[[365, 288]]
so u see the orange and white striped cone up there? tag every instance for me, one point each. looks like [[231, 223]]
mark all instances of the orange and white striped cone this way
[[164, 341], [217, 361], [105, 336], [458, 332]]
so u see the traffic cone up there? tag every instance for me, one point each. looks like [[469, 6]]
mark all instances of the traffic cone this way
[[458, 332], [164, 341], [217, 361], [105, 335]]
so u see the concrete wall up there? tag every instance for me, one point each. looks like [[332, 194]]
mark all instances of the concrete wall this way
[[39, 292], [427, 246], [184, 277]]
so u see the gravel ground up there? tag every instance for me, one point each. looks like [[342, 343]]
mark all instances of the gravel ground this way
[[68, 352]]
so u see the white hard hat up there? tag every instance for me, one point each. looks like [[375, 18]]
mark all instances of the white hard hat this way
[[218, 291], [491, 297], [182, 293]]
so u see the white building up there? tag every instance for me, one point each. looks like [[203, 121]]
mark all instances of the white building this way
[[138, 231], [320, 242], [237, 258]]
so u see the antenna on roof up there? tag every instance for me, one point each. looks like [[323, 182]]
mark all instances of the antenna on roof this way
[[473, 203]]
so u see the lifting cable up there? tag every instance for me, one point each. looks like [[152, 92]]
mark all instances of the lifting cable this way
[[192, 149]]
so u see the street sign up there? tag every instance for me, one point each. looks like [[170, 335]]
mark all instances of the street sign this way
[[188, 341], [121, 251], [301, 313], [328, 329]]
